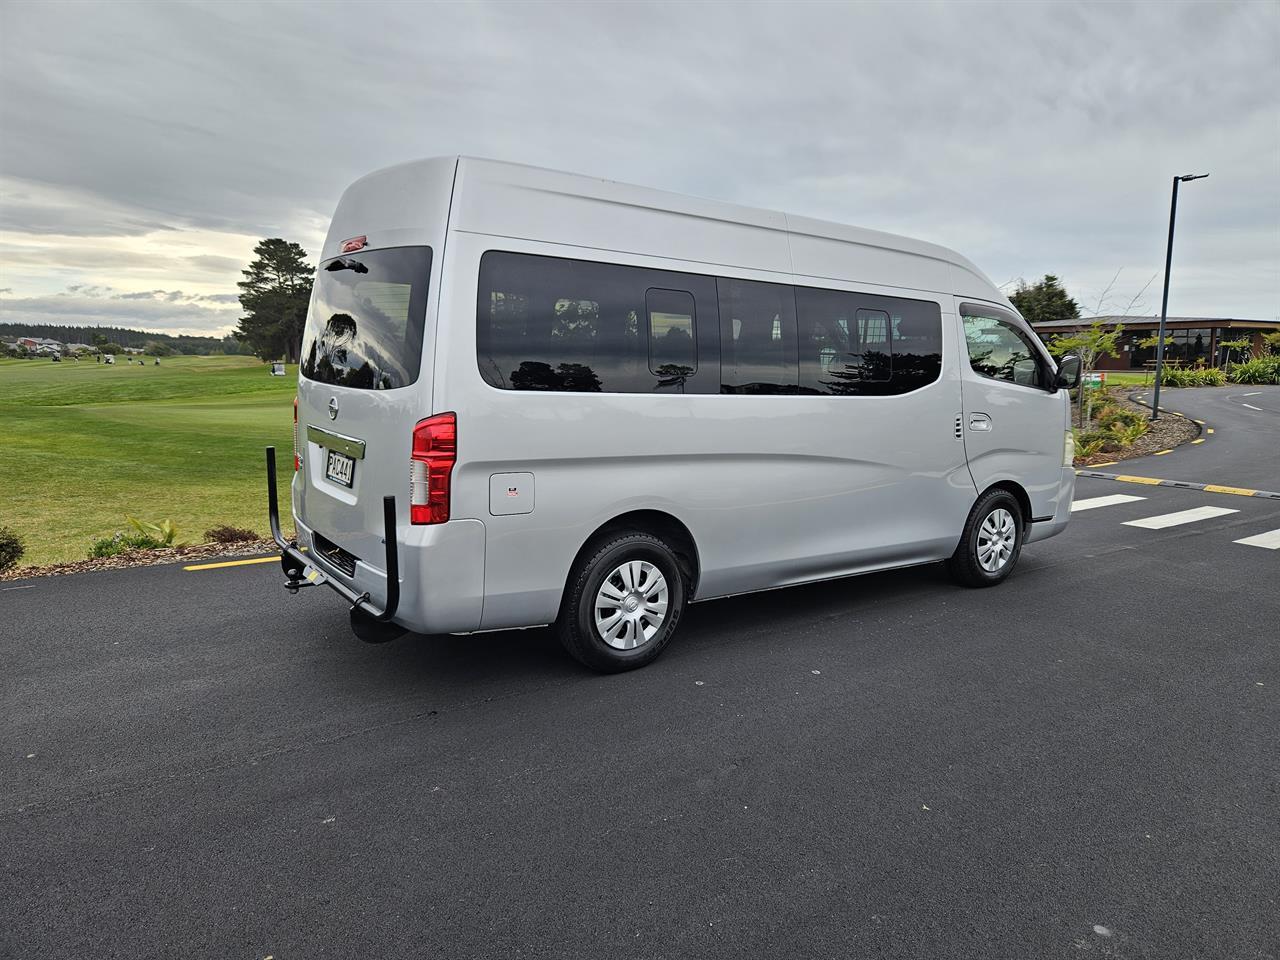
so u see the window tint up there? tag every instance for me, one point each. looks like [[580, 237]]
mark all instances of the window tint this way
[[364, 326], [548, 323], [856, 344], [757, 337], [673, 351], [999, 350]]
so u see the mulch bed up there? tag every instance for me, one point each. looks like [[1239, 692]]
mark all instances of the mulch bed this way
[[1169, 431], [148, 558]]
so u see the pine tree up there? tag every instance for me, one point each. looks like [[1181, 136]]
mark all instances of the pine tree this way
[[275, 292], [1046, 300]]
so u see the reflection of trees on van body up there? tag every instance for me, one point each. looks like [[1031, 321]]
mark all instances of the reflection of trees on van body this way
[[985, 363], [879, 374], [534, 375], [340, 326], [870, 366], [673, 348], [673, 375]]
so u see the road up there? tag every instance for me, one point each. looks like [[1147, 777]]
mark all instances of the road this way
[[1082, 762], [1244, 444]]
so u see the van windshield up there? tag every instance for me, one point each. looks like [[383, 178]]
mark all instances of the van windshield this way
[[365, 324]]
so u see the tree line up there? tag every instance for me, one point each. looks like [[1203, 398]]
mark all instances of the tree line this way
[[118, 337]]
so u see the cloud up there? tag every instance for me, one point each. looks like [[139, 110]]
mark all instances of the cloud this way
[[147, 147]]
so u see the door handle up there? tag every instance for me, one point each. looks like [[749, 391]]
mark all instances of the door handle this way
[[979, 421]]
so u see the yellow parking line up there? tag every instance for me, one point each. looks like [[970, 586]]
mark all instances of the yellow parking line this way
[[1150, 480], [1161, 453], [231, 563], [1199, 440], [1239, 491], [1108, 463], [1201, 422], [1209, 430]]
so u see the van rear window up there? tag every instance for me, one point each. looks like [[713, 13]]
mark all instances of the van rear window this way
[[365, 325]]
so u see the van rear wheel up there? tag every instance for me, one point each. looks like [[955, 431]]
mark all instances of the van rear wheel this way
[[623, 603], [991, 542]]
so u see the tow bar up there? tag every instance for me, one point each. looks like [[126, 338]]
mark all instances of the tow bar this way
[[300, 572]]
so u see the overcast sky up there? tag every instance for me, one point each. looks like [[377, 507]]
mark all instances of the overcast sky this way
[[145, 148]]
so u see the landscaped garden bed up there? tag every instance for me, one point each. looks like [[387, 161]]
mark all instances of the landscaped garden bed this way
[[1119, 428]]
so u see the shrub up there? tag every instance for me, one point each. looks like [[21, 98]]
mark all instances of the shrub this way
[[1112, 417], [1091, 442], [123, 542], [166, 531], [1211, 377], [1258, 370], [1193, 377], [11, 549], [1127, 433], [1106, 415], [1177, 377], [225, 534]]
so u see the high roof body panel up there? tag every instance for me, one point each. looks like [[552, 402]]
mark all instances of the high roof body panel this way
[[531, 203]]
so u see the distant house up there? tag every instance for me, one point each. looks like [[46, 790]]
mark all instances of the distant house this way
[[1189, 339], [80, 347], [40, 344]]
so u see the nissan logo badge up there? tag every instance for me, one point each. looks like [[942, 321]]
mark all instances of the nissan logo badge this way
[[333, 408]]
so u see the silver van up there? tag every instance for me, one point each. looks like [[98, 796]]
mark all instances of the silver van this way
[[528, 397]]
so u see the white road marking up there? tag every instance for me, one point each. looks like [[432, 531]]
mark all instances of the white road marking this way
[[1109, 501], [1179, 518], [1251, 407], [1256, 393], [1268, 541]]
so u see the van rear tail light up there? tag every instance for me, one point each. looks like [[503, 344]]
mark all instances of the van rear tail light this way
[[435, 450], [297, 456]]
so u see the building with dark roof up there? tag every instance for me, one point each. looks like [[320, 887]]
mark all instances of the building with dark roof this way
[[1191, 339]]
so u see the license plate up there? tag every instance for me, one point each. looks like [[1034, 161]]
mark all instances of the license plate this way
[[340, 468]]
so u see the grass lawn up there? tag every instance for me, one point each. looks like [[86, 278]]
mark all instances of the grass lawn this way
[[83, 444], [1127, 378]]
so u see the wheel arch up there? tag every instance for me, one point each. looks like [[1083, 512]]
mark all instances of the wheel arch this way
[[1019, 494], [658, 523]]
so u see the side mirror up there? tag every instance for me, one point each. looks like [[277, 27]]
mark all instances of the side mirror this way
[[1068, 372]]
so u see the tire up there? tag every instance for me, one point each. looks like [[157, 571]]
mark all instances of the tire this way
[[639, 569], [997, 513]]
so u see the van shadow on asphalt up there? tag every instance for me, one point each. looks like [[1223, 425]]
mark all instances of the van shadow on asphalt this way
[[729, 627]]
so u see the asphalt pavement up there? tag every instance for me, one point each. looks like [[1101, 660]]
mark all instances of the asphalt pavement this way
[[1081, 762], [1244, 444]]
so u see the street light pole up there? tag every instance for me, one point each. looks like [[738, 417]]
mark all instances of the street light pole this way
[[1164, 300]]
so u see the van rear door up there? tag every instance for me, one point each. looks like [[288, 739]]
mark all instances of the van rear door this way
[[364, 383]]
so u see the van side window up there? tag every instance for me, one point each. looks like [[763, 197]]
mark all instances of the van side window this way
[[856, 344], [999, 350], [757, 337], [673, 348]]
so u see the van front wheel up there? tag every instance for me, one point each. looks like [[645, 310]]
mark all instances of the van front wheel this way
[[623, 603], [991, 542]]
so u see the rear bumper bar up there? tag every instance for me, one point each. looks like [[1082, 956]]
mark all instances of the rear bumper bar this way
[[301, 572]]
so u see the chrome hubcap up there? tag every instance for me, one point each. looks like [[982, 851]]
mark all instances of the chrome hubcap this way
[[996, 539], [631, 605]]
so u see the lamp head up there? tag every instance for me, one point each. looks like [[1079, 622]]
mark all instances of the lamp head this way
[[1192, 176]]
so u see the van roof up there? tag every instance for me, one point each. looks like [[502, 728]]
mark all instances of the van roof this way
[[512, 199]]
